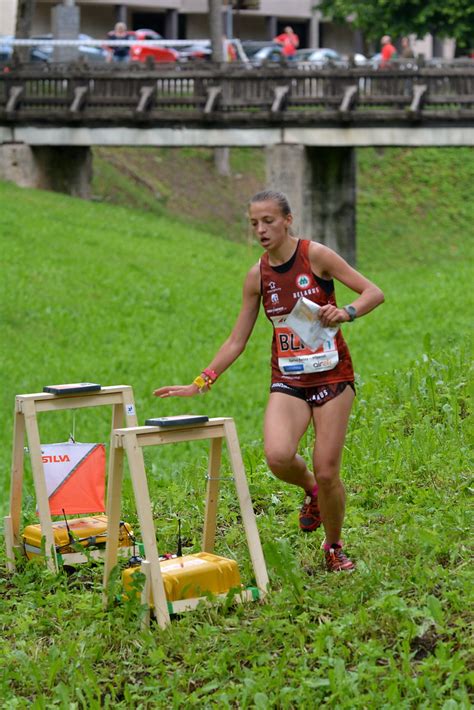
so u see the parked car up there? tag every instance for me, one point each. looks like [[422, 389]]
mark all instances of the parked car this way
[[262, 53], [320, 58], [6, 51], [375, 60], [6, 48], [139, 53], [197, 51], [360, 60], [45, 52]]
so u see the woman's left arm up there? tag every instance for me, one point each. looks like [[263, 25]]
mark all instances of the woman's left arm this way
[[329, 265]]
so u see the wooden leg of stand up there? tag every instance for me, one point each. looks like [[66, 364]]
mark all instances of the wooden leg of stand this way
[[146, 601], [246, 509], [129, 408], [16, 485], [212, 495], [34, 445], [118, 416], [8, 532], [114, 494], [147, 528]]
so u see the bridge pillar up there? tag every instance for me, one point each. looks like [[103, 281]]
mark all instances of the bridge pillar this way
[[321, 187], [65, 24], [62, 169], [17, 164]]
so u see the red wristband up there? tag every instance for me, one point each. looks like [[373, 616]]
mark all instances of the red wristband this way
[[211, 374]]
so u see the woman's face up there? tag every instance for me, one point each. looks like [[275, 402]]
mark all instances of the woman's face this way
[[270, 225]]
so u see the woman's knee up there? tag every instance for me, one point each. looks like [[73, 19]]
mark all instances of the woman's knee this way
[[327, 481], [327, 473], [279, 460]]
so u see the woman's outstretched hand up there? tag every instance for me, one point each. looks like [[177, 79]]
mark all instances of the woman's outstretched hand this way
[[177, 391]]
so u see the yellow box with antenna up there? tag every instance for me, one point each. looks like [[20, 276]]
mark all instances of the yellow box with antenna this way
[[192, 576], [87, 532]]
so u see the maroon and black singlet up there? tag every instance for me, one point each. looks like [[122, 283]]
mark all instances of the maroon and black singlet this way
[[293, 364]]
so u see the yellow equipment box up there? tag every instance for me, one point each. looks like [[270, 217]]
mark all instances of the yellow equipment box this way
[[87, 532], [193, 576]]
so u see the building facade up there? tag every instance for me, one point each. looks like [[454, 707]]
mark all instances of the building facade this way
[[188, 19]]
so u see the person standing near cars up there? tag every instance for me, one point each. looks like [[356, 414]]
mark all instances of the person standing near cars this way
[[289, 41], [229, 51], [308, 387], [407, 51], [120, 53], [388, 51]]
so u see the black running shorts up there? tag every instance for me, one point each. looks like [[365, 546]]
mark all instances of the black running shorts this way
[[314, 396]]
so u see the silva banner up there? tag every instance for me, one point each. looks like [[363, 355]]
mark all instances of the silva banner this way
[[75, 477]]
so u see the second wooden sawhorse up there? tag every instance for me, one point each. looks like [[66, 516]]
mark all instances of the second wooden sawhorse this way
[[131, 441]]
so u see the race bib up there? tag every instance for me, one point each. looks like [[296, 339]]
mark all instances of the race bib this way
[[294, 358]]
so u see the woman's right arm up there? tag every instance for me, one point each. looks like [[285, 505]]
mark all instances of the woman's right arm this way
[[235, 343]]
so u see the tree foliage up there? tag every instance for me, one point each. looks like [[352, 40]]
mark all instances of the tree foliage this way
[[450, 18]]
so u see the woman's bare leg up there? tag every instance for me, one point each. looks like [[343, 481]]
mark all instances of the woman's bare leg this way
[[286, 420], [330, 422]]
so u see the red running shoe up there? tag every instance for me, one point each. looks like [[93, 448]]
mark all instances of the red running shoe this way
[[310, 516], [337, 561]]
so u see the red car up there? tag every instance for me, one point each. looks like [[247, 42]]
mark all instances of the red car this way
[[138, 53]]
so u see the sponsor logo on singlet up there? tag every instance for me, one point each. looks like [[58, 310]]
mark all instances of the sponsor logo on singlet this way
[[272, 286], [302, 281]]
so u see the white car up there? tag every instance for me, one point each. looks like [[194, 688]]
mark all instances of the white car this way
[[322, 57]]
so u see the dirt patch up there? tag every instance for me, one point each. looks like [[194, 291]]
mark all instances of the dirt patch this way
[[425, 644], [182, 182]]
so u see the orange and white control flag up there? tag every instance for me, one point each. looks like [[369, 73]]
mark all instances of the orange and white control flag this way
[[75, 477]]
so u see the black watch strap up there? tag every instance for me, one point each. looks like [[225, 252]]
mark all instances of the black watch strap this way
[[351, 312]]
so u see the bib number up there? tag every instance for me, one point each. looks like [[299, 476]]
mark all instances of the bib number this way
[[294, 358]]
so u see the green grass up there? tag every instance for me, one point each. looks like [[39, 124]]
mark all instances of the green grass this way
[[108, 294]]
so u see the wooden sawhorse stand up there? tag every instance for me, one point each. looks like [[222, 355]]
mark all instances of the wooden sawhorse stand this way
[[132, 441], [27, 406]]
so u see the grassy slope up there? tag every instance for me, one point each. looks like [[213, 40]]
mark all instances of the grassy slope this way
[[182, 182], [108, 294], [408, 218]]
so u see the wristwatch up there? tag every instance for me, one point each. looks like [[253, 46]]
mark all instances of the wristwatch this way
[[351, 312]]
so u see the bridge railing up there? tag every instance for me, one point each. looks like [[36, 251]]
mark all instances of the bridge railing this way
[[104, 95]]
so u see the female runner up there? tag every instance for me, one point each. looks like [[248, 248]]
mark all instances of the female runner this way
[[306, 386]]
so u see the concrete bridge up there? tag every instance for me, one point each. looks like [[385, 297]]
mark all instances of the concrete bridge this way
[[310, 121]]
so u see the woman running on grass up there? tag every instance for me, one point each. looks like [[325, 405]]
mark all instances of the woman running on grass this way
[[306, 385]]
